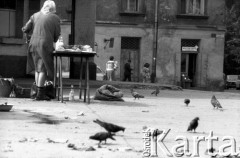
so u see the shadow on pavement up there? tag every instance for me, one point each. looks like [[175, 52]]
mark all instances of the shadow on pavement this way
[[13, 115], [118, 103], [45, 119], [36, 117]]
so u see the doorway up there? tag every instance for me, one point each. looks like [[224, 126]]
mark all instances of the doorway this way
[[130, 49], [189, 49], [188, 66]]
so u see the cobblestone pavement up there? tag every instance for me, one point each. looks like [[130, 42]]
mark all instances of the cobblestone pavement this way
[[47, 128]]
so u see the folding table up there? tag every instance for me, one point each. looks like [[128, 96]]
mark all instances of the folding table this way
[[58, 83]]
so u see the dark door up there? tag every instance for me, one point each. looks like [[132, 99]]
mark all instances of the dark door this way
[[130, 51], [188, 65], [189, 48], [192, 67]]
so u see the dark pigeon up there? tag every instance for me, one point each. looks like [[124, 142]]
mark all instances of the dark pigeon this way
[[215, 103], [186, 101], [111, 128], [136, 94], [193, 124], [156, 91], [102, 136], [157, 132]]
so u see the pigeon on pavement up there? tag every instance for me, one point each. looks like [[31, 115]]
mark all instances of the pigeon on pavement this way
[[157, 132], [193, 124], [111, 128], [156, 91], [215, 103], [102, 136], [136, 94], [186, 101]]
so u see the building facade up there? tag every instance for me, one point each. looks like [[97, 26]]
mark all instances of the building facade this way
[[176, 37], [179, 37]]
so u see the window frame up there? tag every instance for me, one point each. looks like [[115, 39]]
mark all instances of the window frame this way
[[139, 8], [184, 13], [133, 9], [194, 7]]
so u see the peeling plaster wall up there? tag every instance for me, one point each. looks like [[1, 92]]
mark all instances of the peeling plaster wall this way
[[214, 74], [168, 48], [209, 59]]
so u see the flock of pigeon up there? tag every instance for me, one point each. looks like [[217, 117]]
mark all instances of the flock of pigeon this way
[[111, 129], [136, 95], [194, 123]]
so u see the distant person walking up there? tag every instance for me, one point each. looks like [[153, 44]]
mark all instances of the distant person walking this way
[[111, 66], [127, 71], [115, 69], [146, 72], [45, 28]]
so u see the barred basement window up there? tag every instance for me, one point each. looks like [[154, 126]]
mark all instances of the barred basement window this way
[[130, 43]]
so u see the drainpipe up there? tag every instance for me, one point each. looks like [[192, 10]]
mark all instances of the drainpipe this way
[[25, 13], [155, 44], [72, 39], [73, 22]]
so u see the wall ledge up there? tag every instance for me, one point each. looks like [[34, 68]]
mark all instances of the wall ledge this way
[[192, 16], [12, 41], [132, 14]]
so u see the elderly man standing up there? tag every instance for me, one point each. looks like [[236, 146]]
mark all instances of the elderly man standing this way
[[45, 28]]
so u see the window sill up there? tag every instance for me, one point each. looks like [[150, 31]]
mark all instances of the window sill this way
[[191, 16], [12, 41], [131, 14]]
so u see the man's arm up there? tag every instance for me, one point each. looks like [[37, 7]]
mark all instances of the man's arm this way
[[57, 30], [28, 27]]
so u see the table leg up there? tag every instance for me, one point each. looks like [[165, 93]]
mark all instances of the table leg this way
[[87, 81], [80, 82], [60, 78], [55, 76], [58, 88]]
